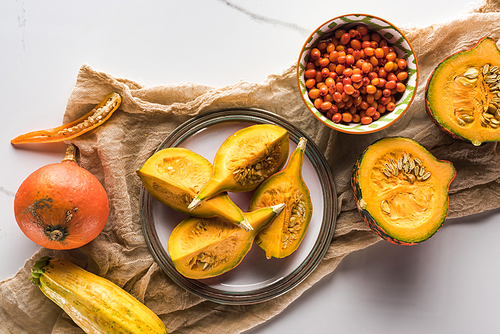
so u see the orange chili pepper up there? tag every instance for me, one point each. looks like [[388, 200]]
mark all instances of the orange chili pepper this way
[[87, 122]]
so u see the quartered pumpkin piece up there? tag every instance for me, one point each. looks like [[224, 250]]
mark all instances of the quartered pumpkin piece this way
[[284, 235], [245, 160], [174, 176], [207, 247], [463, 94], [401, 190], [84, 124]]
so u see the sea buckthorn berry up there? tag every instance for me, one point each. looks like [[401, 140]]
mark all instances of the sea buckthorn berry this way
[[402, 76], [371, 89], [354, 33], [314, 93], [364, 105], [386, 92], [391, 56], [346, 81], [337, 97], [382, 73], [326, 106], [370, 98], [375, 37], [349, 89], [346, 117], [374, 44], [400, 87], [345, 38], [337, 117], [375, 81], [366, 120], [318, 102], [325, 72], [370, 111], [369, 51], [310, 83], [391, 84], [376, 116], [323, 90], [379, 53], [381, 83], [324, 62], [310, 65], [329, 82], [385, 48], [383, 42], [318, 76], [322, 45], [339, 87], [349, 51], [329, 114], [341, 59], [391, 77], [340, 47], [355, 118], [338, 33], [356, 93], [366, 67], [340, 69], [390, 106], [366, 44], [402, 63], [365, 81], [381, 108], [355, 44], [310, 73], [334, 55], [347, 72], [378, 94], [349, 60], [328, 97], [330, 47], [363, 30], [356, 77], [389, 66], [333, 74], [374, 61], [332, 67], [315, 54]]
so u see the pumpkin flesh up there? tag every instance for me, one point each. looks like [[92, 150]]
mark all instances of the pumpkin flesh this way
[[402, 190]]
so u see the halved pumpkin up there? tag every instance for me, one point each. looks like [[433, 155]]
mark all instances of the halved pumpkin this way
[[463, 94], [401, 190]]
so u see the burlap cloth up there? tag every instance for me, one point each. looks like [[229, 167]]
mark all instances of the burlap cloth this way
[[148, 114]]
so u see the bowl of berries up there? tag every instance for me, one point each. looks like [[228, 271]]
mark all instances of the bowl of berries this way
[[357, 73]]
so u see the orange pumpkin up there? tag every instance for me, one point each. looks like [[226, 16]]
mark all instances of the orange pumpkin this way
[[61, 205]]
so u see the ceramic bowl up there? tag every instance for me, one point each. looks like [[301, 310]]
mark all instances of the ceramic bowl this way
[[394, 37]]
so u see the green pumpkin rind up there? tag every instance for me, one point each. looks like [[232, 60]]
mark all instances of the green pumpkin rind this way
[[367, 216], [436, 92]]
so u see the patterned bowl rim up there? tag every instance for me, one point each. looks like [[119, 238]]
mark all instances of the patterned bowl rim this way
[[403, 47]]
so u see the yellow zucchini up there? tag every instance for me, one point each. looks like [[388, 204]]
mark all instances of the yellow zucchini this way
[[94, 303]]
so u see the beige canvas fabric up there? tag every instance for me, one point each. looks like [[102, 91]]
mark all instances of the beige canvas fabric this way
[[148, 114]]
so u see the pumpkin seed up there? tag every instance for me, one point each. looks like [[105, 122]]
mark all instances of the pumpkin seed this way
[[471, 73], [385, 207]]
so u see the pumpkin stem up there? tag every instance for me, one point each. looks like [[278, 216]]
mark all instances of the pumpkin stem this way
[[70, 154]]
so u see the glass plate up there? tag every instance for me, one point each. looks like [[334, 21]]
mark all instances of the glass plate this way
[[256, 279]]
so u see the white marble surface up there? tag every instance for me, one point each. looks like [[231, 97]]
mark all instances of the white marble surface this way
[[448, 284]]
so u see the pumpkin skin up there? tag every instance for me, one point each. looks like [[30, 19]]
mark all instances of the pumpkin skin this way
[[262, 148], [283, 236], [404, 206], [61, 205], [460, 98], [208, 247]]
